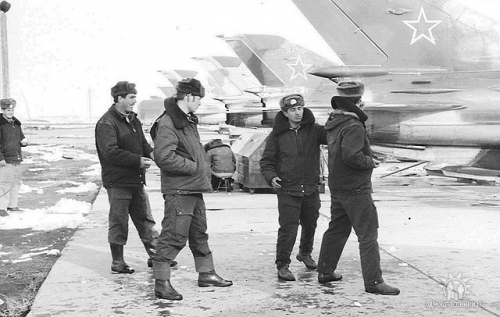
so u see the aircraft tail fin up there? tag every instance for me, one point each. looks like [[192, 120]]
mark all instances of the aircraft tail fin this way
[[276, 62], [406, 33]]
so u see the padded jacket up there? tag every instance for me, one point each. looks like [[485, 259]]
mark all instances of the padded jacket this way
[[184, 164], [294, 155], [222, 159], [120, 146], [350, 162], [11, 135]]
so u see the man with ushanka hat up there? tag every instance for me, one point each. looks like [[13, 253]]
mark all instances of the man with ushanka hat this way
[[185, 176], [350, 165], [191, 86], [11, 141], [123, 88], [125, 155], [290, 163]]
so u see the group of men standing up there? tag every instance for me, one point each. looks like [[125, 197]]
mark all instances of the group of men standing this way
[[290, 163], [125, 155]]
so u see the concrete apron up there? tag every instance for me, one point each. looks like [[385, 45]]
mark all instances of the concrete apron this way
[[429, 236]]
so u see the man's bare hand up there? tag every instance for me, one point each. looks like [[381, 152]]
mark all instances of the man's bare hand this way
[[145, 162], [276, 182]]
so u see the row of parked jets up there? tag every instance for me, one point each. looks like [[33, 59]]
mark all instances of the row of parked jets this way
[[431, 71]]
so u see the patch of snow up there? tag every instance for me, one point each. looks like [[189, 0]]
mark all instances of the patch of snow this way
[[67, 213], [87, 187], [94, 170]]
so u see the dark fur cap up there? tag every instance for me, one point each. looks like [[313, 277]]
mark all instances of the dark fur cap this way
[[191, 86], [123, 88]]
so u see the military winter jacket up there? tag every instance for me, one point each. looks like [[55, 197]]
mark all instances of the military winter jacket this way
[[179, 154], [120, 146], [294, 155], [350, 162], [11, 135], [221, 157]]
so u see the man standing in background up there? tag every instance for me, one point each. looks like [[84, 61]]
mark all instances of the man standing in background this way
[[11, 141]]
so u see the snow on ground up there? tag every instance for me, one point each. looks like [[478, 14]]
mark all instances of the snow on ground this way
[[87, 187], [67, 213], [94, 170], [57, 153], [25, 189]]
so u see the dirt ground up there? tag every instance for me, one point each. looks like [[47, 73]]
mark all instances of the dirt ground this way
[[19, 281]]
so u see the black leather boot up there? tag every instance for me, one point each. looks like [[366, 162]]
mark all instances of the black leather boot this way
[[211, 278], [285, 274], [163, 289], [382, 289], [324, 278], [308, 261], [118, 265]]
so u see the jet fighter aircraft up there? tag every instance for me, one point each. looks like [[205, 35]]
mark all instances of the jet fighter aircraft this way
[[432, 69], [282, 67]]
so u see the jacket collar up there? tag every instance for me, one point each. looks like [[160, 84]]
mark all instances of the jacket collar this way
[[281, 123], [4, 121], [179, 117], [132, 115], [344, 104]]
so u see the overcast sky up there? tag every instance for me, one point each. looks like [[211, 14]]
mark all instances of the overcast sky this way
[[63, 51]]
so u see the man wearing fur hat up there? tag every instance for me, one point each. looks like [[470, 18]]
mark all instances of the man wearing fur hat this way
[[185, 176], [291, 164], [125, 155], [11, 141], [350, 166]]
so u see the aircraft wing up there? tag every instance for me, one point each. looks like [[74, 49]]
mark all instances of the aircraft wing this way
[[469, 172]]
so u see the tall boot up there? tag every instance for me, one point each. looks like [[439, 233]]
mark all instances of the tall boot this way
[[118, 265], [206, 279], [207, 276], [163, 288]]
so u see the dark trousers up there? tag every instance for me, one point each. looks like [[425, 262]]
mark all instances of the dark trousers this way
[[295, 210], [184, 219], [355, 210], [133, 202]]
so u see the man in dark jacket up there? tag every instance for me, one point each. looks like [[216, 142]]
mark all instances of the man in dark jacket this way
[[350, 166], [11, 141], [291, 164], [185, 175], [125, 155]]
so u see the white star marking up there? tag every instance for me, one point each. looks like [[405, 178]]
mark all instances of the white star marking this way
[[299, 68], [422, 27]]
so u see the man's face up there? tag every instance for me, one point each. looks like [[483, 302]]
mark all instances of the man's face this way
[[8, 113], [360, 104], [294, 114], [193, 102], [126, 104]]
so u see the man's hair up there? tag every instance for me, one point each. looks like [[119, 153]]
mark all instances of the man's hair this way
[[115, 98], [180, 95]]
